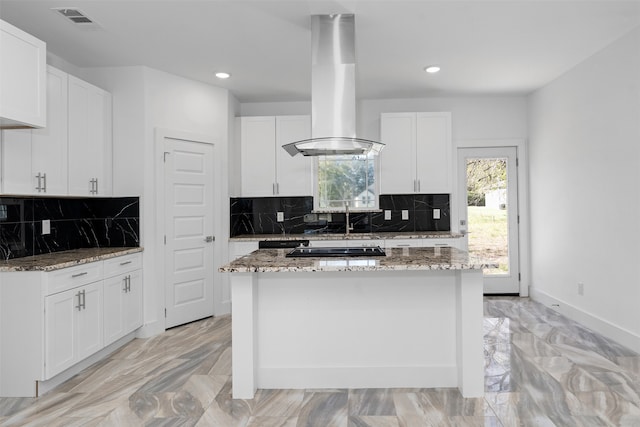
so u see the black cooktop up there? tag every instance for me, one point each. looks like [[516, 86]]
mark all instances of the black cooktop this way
[[337, 252]]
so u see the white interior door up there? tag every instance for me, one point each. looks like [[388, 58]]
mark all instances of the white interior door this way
[[189, 264], [488, 191]]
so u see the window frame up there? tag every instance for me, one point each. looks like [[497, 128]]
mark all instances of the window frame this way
[[316, 190]]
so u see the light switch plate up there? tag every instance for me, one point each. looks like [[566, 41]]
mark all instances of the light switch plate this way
[[280, 217], [405, 215], [387, 215], [46, 226], [436, 214]]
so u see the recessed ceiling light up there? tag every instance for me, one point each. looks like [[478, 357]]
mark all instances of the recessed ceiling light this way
[[222, 75], [432, 69]]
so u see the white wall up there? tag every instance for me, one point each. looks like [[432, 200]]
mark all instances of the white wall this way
[[145, 99], [584, 154], [473, 117]]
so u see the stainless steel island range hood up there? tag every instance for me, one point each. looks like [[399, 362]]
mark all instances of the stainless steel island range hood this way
[[333, 91]]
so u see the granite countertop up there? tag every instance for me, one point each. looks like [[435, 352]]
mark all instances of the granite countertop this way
[[387, 235], [419, 258], [63, 259]]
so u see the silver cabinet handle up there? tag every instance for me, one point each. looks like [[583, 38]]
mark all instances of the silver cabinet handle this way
[[94, 186], [84, 299], [79, 274], [44, 178], [79, 306], [441, 244], [126, 262], [39, 187], [209, 239], [277, 188], [418, 185], [129, 283]]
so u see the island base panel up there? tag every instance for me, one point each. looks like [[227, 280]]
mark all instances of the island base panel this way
[[353, 329]]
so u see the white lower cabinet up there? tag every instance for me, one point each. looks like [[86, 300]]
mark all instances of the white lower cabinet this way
[[73, 327], [50, 321], [241, 248], [122, 300]]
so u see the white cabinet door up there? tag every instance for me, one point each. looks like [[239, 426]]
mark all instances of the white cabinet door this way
[[89, 139], [114, 289], [50, 144], [17, 176], [23, 65], [397, 159], [73, 327], [89, 321], [132, 311], [266, 168], [418, 154], [293, 174], [35, 161], [240, 249], [257, 136], [434, 153], [60, 332]]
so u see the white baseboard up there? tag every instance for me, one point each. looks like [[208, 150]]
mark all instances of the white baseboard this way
[[596, 323], [358, 377]]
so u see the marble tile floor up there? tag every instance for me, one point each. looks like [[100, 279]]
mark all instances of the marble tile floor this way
[[541, 370]]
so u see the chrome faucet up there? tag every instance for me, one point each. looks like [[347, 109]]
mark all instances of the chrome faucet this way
[[348, 226]]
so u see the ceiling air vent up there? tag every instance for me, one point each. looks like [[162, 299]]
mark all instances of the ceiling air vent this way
[[76, 16]]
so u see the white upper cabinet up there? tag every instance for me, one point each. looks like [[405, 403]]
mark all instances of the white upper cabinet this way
[[89, 139], [417, 157], [72, 154], [293, 174], [266, 168], [35, 161], [258, 156], [23, 80]]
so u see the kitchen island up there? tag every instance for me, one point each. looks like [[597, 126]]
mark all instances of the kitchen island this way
[[412, 318]]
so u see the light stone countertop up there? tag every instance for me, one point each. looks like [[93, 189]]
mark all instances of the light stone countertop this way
[[387, 235], [57, 260], [418, 258]]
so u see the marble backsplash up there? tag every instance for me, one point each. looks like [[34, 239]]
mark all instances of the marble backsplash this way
[[259, 215], [75, 223]]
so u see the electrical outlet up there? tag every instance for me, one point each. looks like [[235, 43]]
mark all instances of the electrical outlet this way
[[46, 226], [436, 214], [405, 215], [387, 215], [581, 288], [280, 217]]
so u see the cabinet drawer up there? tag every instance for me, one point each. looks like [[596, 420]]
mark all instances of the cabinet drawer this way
[[403, 243], [69, 278], [438, 242], [122, 264]]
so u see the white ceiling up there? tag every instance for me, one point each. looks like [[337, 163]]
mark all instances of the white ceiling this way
[[484, 47]]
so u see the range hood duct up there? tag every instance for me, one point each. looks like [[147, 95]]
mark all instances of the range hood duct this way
[[333, 91]]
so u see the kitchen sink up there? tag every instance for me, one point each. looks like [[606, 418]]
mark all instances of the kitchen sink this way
[[337, 252]]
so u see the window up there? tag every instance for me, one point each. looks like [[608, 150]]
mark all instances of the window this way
[[346, 179]]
